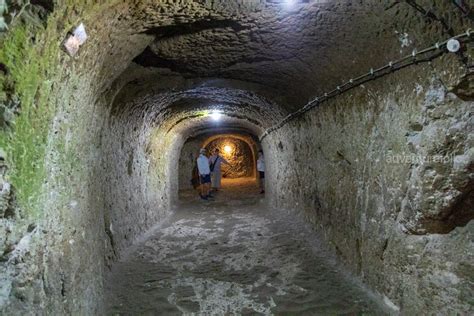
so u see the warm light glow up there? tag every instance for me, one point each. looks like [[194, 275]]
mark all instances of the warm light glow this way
[[227, 149], [216, 116]]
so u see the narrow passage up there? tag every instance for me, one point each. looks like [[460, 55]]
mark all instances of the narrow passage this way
[[231, 256]]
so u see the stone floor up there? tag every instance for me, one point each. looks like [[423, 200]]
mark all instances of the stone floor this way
[[232, 256]]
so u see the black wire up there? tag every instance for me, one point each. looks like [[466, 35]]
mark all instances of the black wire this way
[[465, 9], [374, 74], [431, 15]]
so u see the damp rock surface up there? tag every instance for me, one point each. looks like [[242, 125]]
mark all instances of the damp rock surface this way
[[385, 173], [94, 147], [232, 256]]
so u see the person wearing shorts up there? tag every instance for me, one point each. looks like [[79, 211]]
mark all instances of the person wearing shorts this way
[[204, 174]]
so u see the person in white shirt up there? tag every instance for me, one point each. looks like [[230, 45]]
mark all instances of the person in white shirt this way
[[204, 174], [261, 171], [215, 162]]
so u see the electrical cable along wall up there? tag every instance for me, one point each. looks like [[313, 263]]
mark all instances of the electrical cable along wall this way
[[416, 56]]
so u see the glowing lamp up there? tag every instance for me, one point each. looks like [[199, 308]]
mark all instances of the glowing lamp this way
[[227, 149], [453, 45], [216, 116]]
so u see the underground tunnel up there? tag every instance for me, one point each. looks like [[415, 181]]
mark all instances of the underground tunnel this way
[[363, 111]]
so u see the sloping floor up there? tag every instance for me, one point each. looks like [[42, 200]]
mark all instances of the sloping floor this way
[[232, 256]]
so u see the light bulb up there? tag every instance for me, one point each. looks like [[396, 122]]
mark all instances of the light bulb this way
[[453, 45], [228, 149], [290, 3], [216, 116]]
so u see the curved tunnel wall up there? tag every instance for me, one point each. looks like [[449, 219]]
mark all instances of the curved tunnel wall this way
[[376, 177], [107, 157], [145, 137], [102, 136]]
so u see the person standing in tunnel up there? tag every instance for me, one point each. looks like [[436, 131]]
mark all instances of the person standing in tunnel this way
[[261, 171], [204, 174], [215, 162]]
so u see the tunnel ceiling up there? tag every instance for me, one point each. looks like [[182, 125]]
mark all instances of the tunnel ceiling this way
[[185, 106], [291, 49], [255, 60]]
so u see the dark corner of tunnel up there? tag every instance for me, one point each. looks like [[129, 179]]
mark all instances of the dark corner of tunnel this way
[[148, 58], [163, 32]]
